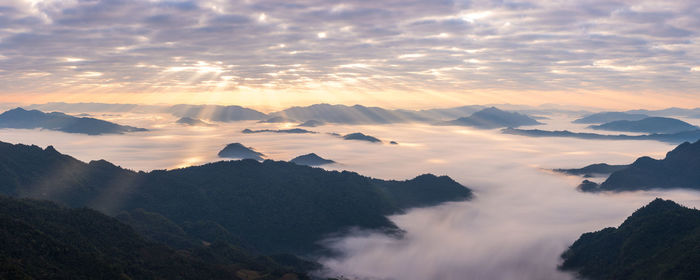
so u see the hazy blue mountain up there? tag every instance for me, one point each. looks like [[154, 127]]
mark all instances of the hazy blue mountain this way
[[21, 118], [311, 159], [91, 107], [192, 122], [291, 130], [356, 114], [393, 143], [311, 123], [648, 125], [446, 113], [250, 200], [238, 151], [679, 137], [216, 112], [40, 240], [592, 170], [361, 137], [605, 117], [658, 241], [276, 120], [679, 169], [668, 112], [493, 118]]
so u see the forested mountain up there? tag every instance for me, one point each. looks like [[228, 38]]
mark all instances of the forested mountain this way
[[40, 240], [679, 169], [275, 207], [659, 241]]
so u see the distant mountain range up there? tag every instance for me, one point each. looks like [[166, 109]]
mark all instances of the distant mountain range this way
[[593, 170], [675, 138], [238, 151], [493, 117], [658, 241], [215, 112], [230, 200], [605, 117], [291, 131], [41, 240], [679, 169], [24, 119], [311, 159], [648, 125], [321, 113]]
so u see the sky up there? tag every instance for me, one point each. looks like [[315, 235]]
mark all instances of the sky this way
[[437, 53]]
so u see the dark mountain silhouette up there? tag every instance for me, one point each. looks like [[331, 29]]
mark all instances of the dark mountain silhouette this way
[[20, 118], [311, 159], [593, 170], [238, 151], [291, 130], [648, 125], [274, 207], [192, 122], [493, 118], [668, 112], [679, 169], [658, 241], [311, 123], [216, 113], [394, 143], [40, 240], [605, 117], [362, 137], [679, 137]]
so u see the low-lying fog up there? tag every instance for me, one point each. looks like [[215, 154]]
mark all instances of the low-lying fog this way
[[522, 219]]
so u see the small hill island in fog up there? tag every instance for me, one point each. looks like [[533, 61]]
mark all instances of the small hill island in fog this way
[[238, 151], [31, 119], [361, 137], [311, 159], [493, 117]]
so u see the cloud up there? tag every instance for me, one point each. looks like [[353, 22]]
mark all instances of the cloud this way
[[409, 45]]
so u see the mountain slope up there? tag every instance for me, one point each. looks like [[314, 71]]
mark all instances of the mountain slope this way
[[493, 118], [23, 119], [40, 240], [252, 201], [648, 125], [679, 169], [659, 241], [605, 117]]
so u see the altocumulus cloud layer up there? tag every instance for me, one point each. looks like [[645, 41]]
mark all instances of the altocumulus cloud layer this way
[[147, 46]]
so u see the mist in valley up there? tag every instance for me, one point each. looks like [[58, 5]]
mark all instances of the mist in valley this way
[[522, 218]]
